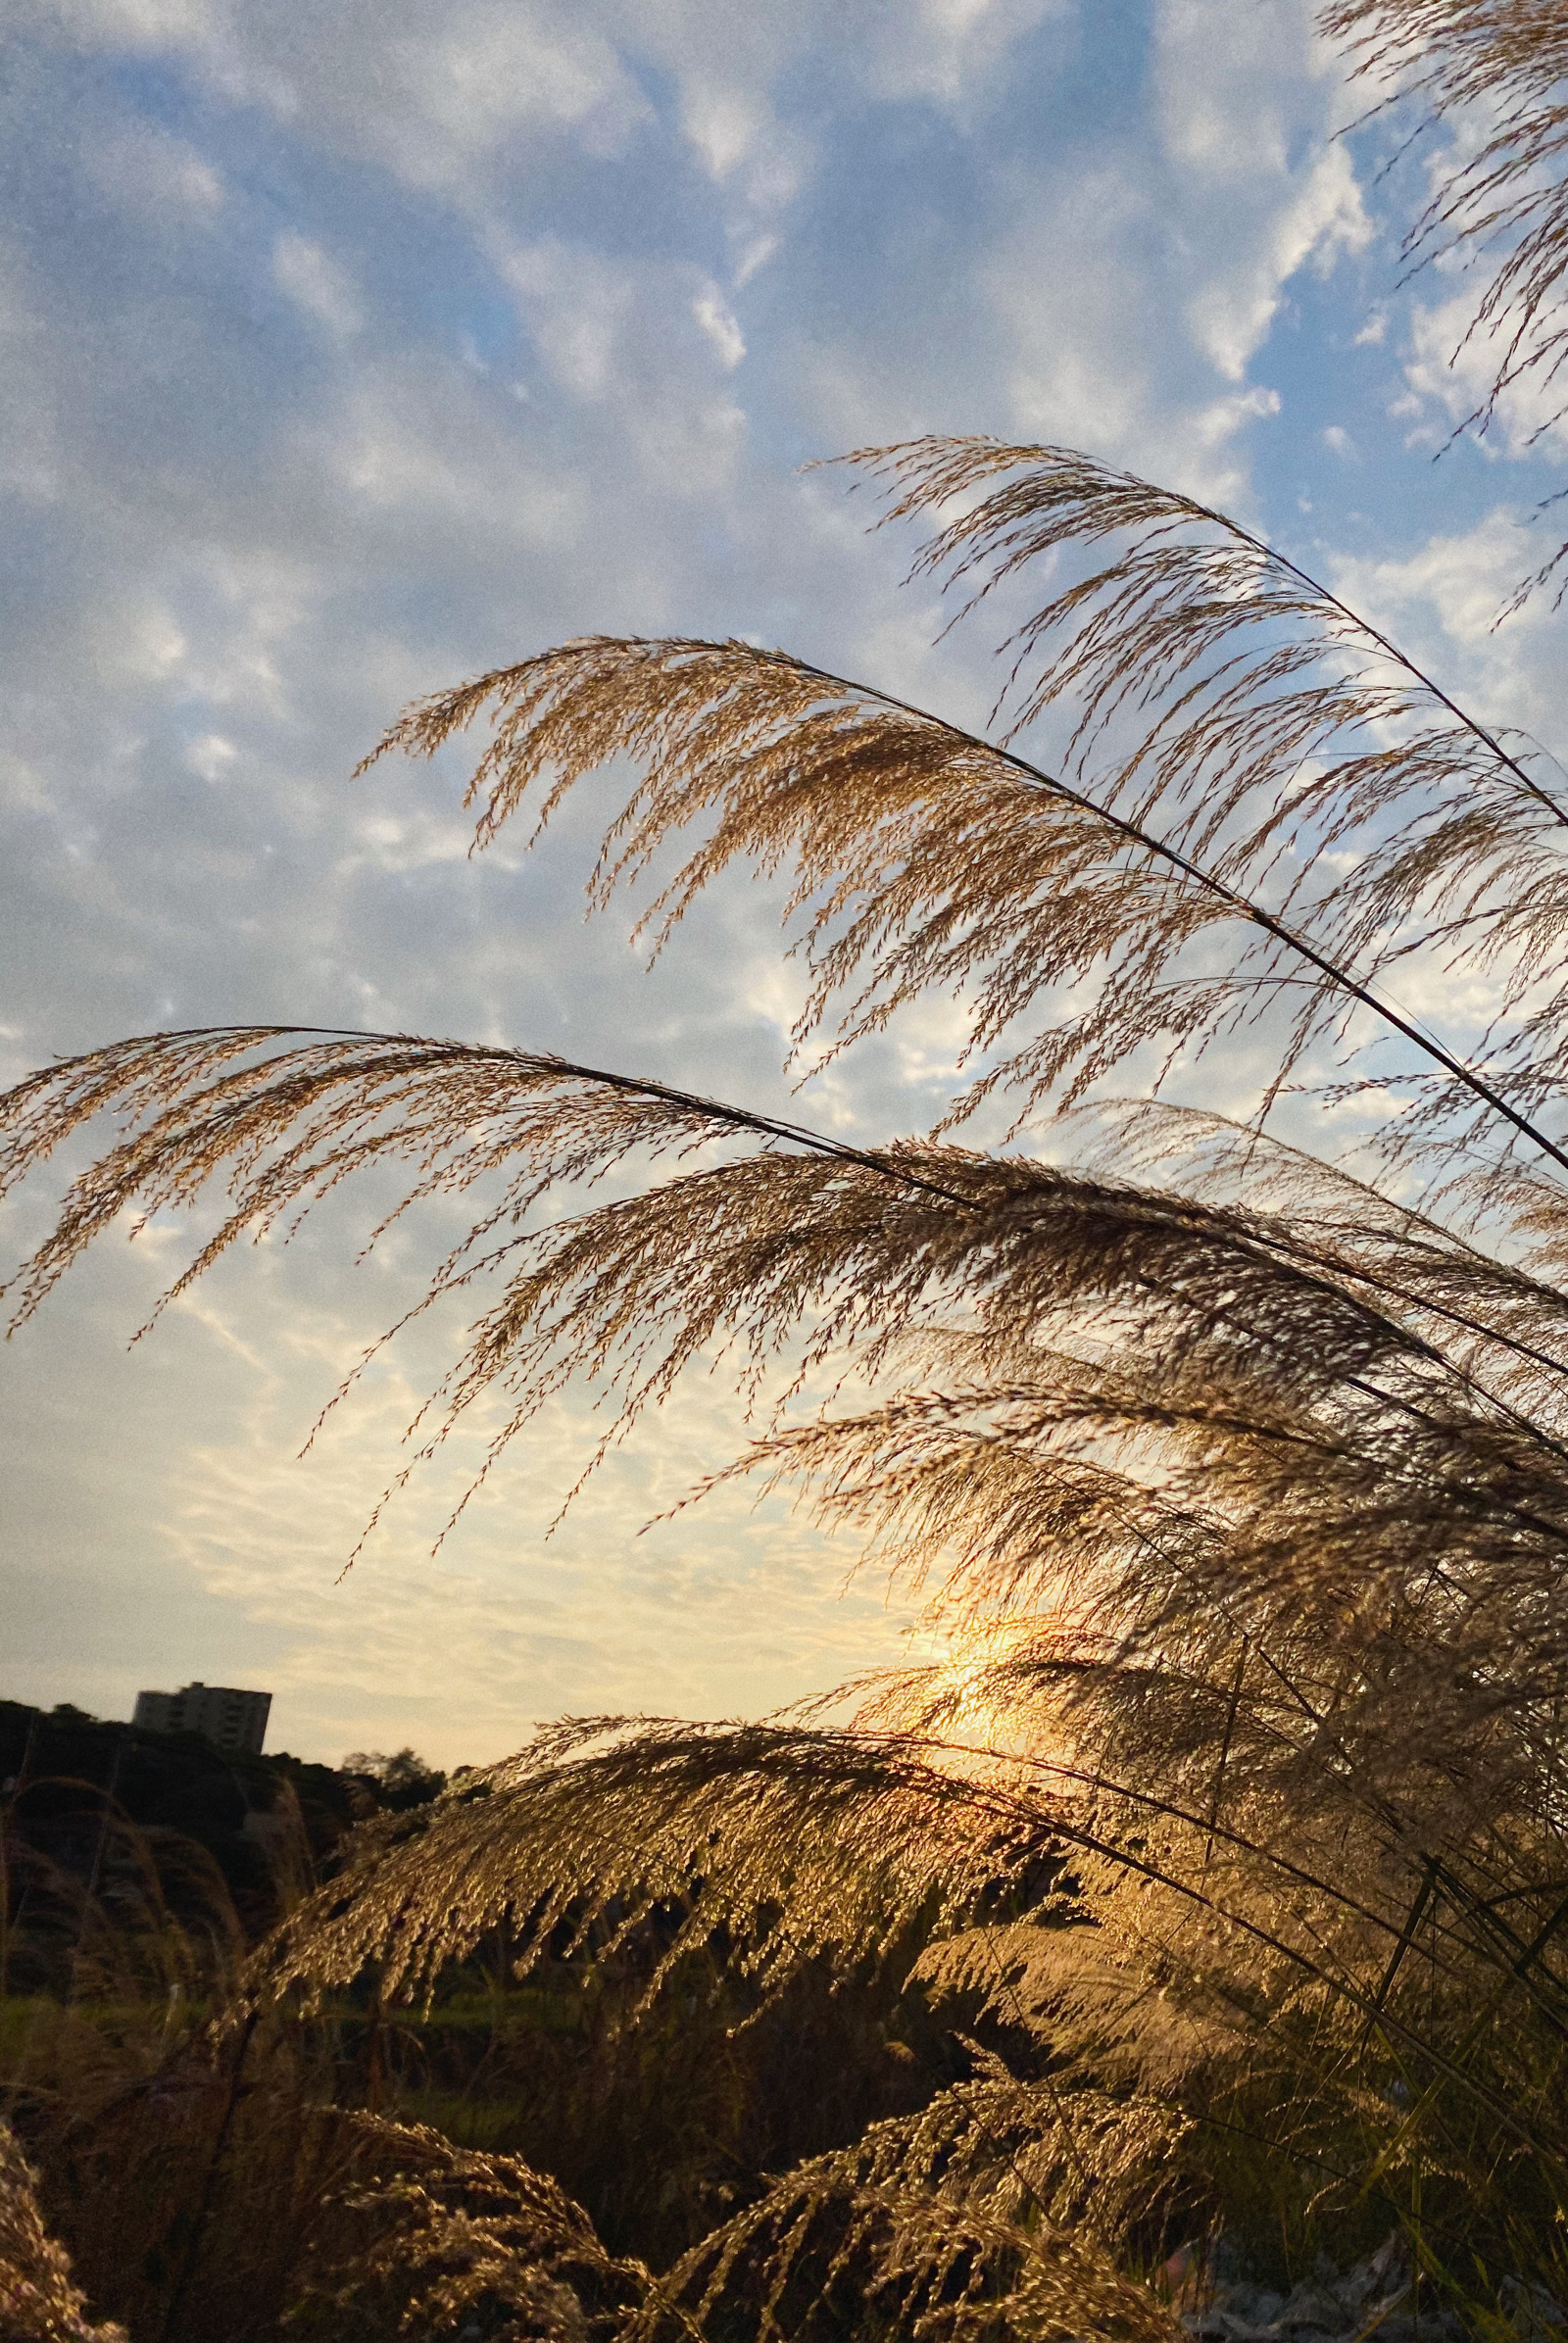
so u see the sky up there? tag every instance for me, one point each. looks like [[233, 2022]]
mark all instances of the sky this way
[[346, 350]]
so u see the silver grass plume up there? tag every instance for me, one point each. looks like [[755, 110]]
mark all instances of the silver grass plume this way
[[1502, 201], [40, 2301]]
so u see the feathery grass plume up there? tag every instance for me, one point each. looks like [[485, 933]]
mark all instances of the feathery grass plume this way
[[1260, 840], [1284, 1492], [1274, 1551], [682, 1822], [930, 2227], [1499, 70], [39, 2302], [222, 2194], [1320, 830], [423, 2240], [1283, 756], [860, 1245]]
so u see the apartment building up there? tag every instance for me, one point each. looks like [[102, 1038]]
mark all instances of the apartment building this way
[[234, 1721]]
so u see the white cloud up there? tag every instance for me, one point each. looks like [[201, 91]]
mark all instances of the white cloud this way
[[1453, 368], [723, 125], [438, 96], [576, 304], [493, 68], [1118, 277], [617, 336], [319, 286], [717, 320], [951, 52], [133, 23], [1320, 219], [1241, 97], [1442, 603], [449, 99], [162, 177], [494, 74], [211, 756], [146, 642], [754, 254], [393, 452], [1216, 424]]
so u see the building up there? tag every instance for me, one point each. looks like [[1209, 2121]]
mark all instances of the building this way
[[234, 1722]]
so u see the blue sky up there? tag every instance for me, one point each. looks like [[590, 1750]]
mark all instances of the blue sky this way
[[345, 350]]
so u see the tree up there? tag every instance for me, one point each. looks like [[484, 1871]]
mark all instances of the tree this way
[[401, 1780], [1237, 1469]]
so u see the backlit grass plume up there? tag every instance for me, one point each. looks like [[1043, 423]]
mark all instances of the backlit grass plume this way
[[422, 2240], [39, 2302], [1497, 69], [935, 2226]]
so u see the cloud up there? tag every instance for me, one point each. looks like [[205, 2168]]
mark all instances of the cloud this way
[[717, 320], [1319, 218], [212, 756], [494, 70], [160, 178], [1452, 367], [319, 286], [637, 343], [951, 52], [1442, 603], [1116, 284], [1235, 121], [133, 24]]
